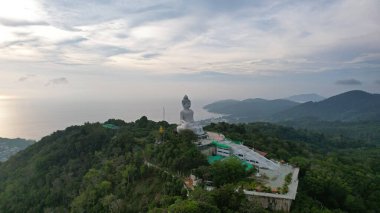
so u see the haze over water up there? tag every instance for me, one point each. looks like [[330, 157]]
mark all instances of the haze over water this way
[[34, 119]]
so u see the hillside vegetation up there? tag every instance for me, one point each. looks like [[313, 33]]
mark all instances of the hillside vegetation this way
[[90, 168]]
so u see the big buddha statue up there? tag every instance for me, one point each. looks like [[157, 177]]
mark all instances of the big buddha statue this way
[[187, 119]]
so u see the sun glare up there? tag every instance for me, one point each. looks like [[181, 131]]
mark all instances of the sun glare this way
[[5, 97], [5, 118], [21, 10]]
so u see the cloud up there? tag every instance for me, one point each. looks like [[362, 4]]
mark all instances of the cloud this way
[[25, 78], [20, 42], [377, 82], [57, 81], [235, 37], [150, 55], [349, 82], [20, 23], [206, 76], [73, 41]]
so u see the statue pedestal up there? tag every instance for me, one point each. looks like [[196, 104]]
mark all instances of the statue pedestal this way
[[194, 127]]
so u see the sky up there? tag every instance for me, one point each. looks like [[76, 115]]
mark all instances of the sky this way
[[81, 50], [163, 48]]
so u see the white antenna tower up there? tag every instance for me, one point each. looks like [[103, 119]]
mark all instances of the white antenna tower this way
[[163, 113]]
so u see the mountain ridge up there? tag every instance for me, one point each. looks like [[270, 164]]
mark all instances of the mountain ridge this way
[[257, 108], [302, 98], [355, 105]]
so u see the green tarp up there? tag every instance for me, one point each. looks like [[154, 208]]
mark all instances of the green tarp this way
[[214, 158], [220, 145], [110, 126]]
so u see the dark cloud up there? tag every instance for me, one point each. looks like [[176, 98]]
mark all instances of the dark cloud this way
[[20, 23], [57, 81], [212, 74], [112, 9], [110, 50], [207, 76], [226, 5], [34, 42], [151, 55], [349, 82], [21, 34], [72, 41], [25, 78]]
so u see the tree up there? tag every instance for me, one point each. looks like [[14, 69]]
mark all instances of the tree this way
[[227, 198], [229, 170], [191, 206]]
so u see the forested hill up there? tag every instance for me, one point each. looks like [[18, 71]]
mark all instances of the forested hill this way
[[250, 109], [350, 106], [91, 168]]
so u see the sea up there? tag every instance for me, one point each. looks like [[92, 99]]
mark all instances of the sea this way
[[34, 119]]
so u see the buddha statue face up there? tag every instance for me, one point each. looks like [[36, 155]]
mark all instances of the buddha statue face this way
[[186, 103]]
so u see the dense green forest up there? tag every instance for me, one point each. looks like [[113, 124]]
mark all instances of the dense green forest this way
[[338, 174], [364, 131], [90, 168]]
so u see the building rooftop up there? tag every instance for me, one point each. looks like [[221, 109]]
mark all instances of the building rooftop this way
[[273, 178]]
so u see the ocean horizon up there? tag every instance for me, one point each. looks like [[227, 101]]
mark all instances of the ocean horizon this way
[[33, 119]]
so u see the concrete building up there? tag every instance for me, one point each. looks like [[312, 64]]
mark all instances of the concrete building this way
[[228, 148], [270, 173]]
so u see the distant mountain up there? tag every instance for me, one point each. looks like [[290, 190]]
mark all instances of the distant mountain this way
[[250, 109], [302, 98], [349, 106], [9, 147], [221, 106]]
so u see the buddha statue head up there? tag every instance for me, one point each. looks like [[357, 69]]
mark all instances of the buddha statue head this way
[[186, 103]]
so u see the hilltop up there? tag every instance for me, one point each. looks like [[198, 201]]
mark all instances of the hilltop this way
[[90, 168], [107, 166], [302, 98]]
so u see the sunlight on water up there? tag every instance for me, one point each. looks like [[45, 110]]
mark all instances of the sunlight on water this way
[[34, 119], [5, 117]]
